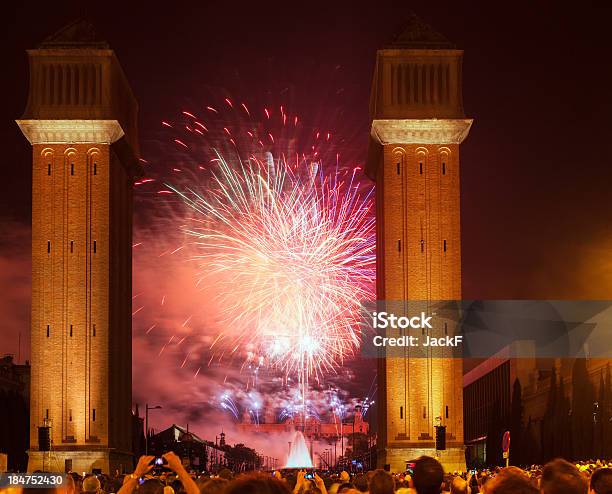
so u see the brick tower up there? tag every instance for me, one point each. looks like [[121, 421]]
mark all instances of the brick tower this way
[[81, 122], [417, 125]]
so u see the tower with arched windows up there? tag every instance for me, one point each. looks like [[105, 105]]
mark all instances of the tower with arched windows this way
[[418, 123], [81, 121]]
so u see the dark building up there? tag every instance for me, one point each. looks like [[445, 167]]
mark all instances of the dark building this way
[[550, 394], [14, 412], [486, 407]]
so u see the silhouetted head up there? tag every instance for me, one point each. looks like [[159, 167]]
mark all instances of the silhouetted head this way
[[601, 481], [427, 475], [561, 477], [257, 483], [510, 480], [381, 483]]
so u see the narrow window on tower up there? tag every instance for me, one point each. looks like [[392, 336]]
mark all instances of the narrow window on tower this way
[[93, 415], [48, 246], [399, 245], [71, 168], [421, 168], [444, 245], [446, 411], [398, 168], [71, 246], [71, 330], [95, 246], [424, 412], [48, 330], [70, 415], [93, 330], [48, 168], [95, 168], [401, 412], [443, 168], [46, 414]]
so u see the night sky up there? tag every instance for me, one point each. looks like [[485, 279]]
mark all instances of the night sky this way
[[536, 170]]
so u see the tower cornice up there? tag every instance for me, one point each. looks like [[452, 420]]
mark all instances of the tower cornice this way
[[411, 53], [420, 131], [71, 131], [73, 51]]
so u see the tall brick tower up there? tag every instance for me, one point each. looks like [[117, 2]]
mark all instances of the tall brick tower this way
[[81, 121], [417, 125]]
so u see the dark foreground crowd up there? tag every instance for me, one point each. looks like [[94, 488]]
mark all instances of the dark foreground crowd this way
[[427, 477]]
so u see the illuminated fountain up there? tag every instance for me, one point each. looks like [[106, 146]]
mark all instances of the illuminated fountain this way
[[299, 457]]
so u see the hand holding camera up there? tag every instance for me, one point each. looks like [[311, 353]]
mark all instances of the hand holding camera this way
[[144, 466]]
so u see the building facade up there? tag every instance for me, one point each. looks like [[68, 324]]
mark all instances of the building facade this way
[[418, 123], [81, 122], [488, 394], [312, 427]]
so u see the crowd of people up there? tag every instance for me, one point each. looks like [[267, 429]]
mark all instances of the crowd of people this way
[[425, 477]]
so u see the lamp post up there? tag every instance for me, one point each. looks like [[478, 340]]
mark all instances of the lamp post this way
[[147, 408]]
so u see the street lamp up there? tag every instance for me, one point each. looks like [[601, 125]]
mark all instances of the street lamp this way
[[147, 408]]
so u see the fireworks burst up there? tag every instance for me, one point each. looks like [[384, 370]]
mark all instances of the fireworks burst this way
[[281, 250], [226, 402], [336, 404], [291, 256]]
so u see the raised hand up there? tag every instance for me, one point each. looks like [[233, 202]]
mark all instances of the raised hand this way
[[174, 462], [143, 466]]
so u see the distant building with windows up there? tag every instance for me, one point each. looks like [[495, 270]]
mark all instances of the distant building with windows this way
[[195, 452], [311, 427]]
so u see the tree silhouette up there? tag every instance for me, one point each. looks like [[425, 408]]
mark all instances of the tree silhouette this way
[[548, 420], [562, 425], [599, 417], [606, 415], [516, 425], [242, 458], [495, 432], [582, 411], [531, 445]]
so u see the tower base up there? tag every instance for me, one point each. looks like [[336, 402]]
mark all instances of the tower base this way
[[452, 459], [80, 461]]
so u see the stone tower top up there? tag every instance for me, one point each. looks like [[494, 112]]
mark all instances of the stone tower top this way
[[420, 35], [79, 94], [77, 34], [417, 76], [416, 94]]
